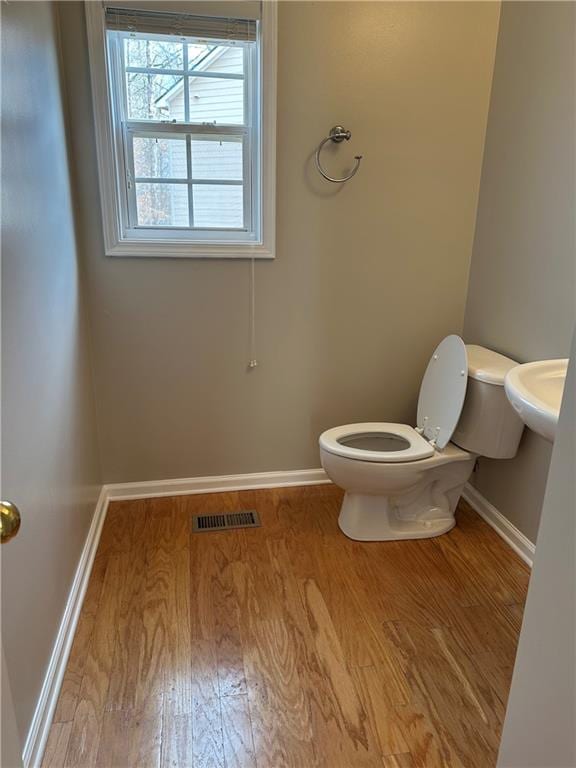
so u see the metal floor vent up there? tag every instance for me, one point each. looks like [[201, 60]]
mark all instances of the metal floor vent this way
[[225, 521]]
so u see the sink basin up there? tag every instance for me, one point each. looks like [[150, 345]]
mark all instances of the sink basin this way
[[535, 391]]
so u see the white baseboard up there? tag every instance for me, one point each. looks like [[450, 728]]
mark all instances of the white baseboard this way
[[44, 712], [503, 527], [216, 484]]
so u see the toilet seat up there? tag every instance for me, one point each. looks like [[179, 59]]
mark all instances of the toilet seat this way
[[375, 442], [440, 404], [442, 391]]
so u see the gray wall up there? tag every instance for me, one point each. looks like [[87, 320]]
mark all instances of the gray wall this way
[[539, 728], [368, 277], [49, 459], [522, 291]]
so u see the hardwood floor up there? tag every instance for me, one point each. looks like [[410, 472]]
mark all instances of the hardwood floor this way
[[289, 644]]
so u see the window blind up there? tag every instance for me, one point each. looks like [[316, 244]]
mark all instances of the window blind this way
[[180, 24]]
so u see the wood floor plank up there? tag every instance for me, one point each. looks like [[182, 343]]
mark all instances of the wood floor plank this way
[[279, 711], [207, 737], [69, 692], [129, 630], [502, 573], [353, 612], [289, 645], [333, 665], [427, 746], [237, 732], [360, 645], [178, 670], [480, 628], [381, 712], [155, 613], [207, 742], [514, 612], [177, 742], [85, 733], [442, 682], [403, 760], [497, 675], [229, 649], [202, 568], [330, 740], [204, 564], [117, 533], [57, 745], [129, 738]]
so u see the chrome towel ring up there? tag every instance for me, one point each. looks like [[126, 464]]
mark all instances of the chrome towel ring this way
[[337, 134]]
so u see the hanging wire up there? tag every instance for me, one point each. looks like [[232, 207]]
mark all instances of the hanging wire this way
[[253, 362]]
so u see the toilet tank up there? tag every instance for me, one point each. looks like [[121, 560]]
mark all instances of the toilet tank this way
[[488, 425]]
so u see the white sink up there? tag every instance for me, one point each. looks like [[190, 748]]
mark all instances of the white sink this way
[[535, 391]]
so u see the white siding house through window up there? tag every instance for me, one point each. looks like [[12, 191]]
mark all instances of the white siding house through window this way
[[211, 100]]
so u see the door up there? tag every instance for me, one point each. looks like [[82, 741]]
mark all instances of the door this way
[[50, 463]]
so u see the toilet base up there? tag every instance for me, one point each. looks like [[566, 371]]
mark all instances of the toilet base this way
[[402, 500], [366, 517]]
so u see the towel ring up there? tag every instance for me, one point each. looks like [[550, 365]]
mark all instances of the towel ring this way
[[337, 134]]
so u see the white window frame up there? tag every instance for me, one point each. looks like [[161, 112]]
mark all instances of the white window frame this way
[[122, 240]]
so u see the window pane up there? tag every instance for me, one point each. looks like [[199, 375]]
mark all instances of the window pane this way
[[227, 59], [218, 206], [155, 97], [217, 157], [153, 54], [158, 157], [216, 99], [199, 55], [162, 205]]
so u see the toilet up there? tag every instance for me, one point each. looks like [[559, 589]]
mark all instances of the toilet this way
[[404, 482]]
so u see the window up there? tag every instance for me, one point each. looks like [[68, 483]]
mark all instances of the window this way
[[184, 108]]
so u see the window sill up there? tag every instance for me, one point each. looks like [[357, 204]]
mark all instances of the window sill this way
[[184, 250]]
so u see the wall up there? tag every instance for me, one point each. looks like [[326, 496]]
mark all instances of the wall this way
[[539, 726], [522, 291], [368, 277], [49, 459]]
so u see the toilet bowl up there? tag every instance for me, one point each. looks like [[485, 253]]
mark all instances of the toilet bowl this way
[[390, 498], [404, 482]]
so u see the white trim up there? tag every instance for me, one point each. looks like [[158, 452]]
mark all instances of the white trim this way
[[44, 712], [268, 109], [215, 484], [119, 243], [515, 539], [181, 250]]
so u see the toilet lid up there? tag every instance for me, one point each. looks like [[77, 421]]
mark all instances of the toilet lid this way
[[443, 390]]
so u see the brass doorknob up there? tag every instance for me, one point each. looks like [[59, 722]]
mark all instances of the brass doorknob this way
[[9, 521]]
